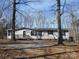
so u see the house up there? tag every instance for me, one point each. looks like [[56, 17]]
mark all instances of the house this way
[[21, 33], [37, 33]]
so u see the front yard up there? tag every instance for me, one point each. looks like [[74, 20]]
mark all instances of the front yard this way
[[38, 49]]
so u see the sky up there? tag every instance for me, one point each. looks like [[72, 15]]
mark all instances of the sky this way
[[48, 8]]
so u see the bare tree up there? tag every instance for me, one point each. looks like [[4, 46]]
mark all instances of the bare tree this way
[[13, 20], [74, 25], [14, 14], [60, 40], [1, 13]]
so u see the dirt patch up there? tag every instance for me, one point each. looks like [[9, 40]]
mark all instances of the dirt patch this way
[[41, 53]]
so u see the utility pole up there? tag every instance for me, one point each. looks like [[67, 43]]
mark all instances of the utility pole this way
[[13, 20], [60, 39]]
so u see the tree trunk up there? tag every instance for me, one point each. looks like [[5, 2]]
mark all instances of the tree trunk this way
[[60, 40], [13, 20]]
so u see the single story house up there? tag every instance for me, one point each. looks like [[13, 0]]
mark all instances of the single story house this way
[[37, 33]]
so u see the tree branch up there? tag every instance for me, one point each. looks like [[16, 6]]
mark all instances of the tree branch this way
[[63, 7], [25, 2], [20, 13]]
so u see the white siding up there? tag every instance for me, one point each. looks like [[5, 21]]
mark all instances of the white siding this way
[[20, 33], [45, 35]]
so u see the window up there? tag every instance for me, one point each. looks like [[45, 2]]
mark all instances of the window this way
[[50, 32], [39, 33], [33, 33], [63, 33], [9, 32], [24, 33]]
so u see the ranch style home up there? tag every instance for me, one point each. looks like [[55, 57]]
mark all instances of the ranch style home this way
[[37, 33]]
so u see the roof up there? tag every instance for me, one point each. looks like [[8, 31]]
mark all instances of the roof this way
[[42, 29], [20, 29], [49, 29]]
